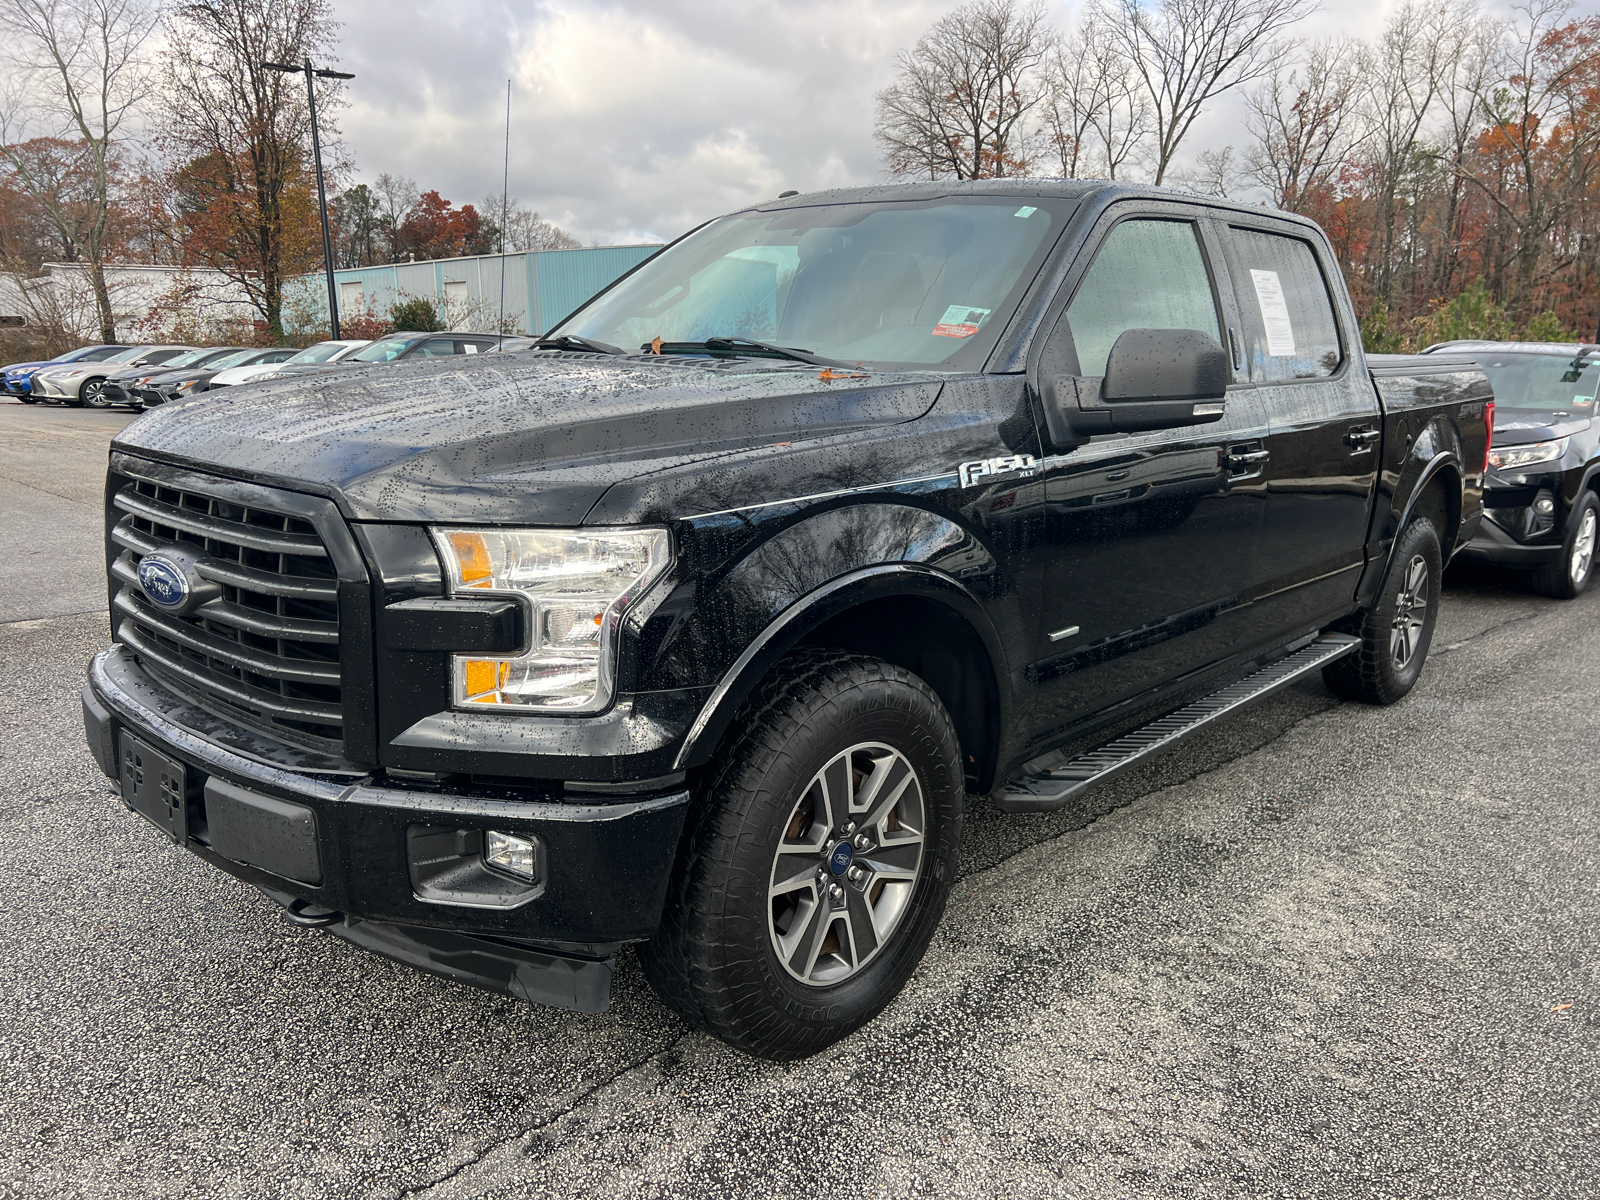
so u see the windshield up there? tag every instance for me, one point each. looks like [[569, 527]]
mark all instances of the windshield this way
[[321, 352], [1542, 384], [187, 359], [237, 358], [384, 350], [929, 283]]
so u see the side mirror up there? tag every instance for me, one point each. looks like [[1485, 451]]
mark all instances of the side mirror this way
[[1155, 379]]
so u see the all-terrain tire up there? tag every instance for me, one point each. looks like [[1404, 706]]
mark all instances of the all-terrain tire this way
[[1375, 672], [714, 958], [1568, 577]]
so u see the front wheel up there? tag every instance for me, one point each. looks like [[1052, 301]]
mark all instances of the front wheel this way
[[93, 394], [1568, 577], [818, 860], [1396, 631]]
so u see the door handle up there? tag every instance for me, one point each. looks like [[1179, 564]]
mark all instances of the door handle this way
[[1245, 460], [1360, 438]]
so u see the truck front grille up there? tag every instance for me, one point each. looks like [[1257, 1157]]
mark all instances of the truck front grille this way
[[265, 652]]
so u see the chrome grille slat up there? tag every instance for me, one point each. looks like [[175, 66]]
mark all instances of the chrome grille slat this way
[[235, 532], [265, 652]]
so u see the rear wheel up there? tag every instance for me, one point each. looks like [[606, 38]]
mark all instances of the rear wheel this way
[[1569, 576], [817, 862], [1396, 631]]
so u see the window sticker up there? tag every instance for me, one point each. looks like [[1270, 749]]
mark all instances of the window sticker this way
[[1027, 210], [1274, 314], [960, 321]]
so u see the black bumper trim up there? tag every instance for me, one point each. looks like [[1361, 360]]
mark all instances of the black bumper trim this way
[[542, 977], [1491, 544], [609, 863]]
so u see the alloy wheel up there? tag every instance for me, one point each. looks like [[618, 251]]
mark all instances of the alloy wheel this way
[[846, 865], [1582, 549], [93, 393], [1410, 612]]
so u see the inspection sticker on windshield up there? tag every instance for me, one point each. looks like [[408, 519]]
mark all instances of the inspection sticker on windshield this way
[[960, 321], [1274, 314], [1027, 210]]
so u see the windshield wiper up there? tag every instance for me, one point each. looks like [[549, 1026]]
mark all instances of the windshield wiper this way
[[737, 345], [571, 341]]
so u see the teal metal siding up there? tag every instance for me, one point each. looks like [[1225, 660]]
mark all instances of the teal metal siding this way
[[541, 288], [566, 278]]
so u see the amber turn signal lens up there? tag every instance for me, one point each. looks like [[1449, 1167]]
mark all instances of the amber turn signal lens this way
[[473, 556]]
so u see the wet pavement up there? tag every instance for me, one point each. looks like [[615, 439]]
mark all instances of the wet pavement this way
[[1320, 950]]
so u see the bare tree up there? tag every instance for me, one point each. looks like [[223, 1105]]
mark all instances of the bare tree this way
[[1306, 122], [76, 79], [1215, 173], [958, 108], [525, 228], [246, 133], [1404, 73], [1095, 112], [396, 196], [1187, 52], [1465, 85]]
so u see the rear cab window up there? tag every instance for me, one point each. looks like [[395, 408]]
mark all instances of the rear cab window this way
[[1290, 331]]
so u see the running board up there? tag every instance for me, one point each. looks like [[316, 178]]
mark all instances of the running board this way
[[1051, 781]]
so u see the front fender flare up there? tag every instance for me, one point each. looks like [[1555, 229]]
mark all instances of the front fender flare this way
[[811, 610]]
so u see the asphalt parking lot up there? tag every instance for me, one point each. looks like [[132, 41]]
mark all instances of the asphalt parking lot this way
[[1322, 950]]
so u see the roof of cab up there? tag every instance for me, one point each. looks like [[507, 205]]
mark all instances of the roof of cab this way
[[1104, 191]]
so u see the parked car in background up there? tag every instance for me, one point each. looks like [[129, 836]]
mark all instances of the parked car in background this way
[[1539, 495], [17, 379], [191, 379], [82, 383], [400, 345], [119, 386], [320, 354]]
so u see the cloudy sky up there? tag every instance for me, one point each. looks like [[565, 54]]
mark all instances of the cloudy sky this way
[[632, 121]]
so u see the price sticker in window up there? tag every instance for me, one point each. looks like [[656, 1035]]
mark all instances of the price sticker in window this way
[[1274, 314]]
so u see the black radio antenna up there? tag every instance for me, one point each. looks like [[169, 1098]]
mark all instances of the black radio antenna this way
[[505, 206]]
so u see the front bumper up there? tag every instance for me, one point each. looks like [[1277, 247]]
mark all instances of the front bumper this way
[[54, 389], [1492, 544], [354, 850]]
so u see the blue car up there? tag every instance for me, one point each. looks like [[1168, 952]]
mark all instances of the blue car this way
[[17, 379]]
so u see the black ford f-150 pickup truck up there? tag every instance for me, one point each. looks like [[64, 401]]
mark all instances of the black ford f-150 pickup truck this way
[[700, 624]]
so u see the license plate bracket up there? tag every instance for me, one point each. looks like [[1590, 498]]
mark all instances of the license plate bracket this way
[[154, 785]]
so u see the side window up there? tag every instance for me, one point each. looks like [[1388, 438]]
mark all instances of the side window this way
[[1147, 274], [436, 348], [1289, 329]]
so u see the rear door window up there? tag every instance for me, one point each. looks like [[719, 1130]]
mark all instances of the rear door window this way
[[436, 348], [1147, 274], [1289, 327]]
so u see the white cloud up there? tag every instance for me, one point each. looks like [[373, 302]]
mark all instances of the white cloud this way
[[634, 121]]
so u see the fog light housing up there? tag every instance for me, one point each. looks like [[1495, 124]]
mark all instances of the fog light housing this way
[[515, 855], [1544, 505]]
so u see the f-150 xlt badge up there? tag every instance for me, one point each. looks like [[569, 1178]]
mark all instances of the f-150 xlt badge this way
[[971, 472]]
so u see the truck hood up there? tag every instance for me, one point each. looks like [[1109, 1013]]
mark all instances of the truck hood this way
[[531, 438]]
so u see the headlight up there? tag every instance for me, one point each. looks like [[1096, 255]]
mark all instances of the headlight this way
[[577, 585], [1509, 457]]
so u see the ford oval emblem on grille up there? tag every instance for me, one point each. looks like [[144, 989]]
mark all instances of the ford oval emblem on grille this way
[[839, 860], [163, 582]]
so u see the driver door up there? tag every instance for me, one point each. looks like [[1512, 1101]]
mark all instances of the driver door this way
[[1150, 537]]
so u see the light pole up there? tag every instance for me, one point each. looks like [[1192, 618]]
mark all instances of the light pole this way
[[316, 154]]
